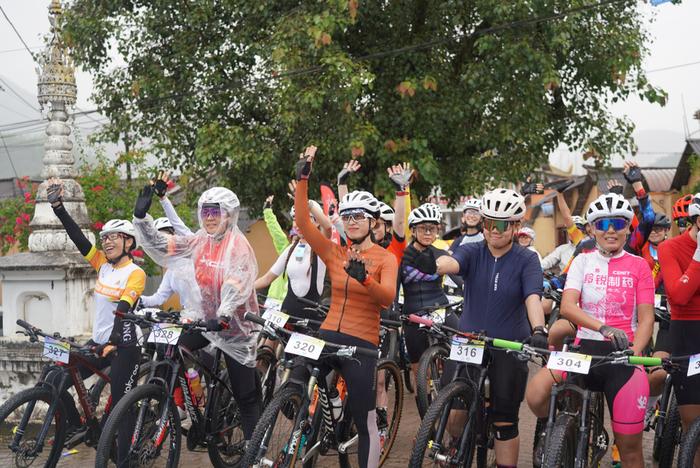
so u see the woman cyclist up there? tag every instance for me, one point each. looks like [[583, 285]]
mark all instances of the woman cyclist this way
[[363, 282], [615, 291], [120, 282], [225, 269]]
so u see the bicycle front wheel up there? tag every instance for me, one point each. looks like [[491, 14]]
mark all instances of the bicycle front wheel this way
[[227, 444], [141, 431], [671, 435], [430, 369], [21, 419], [690, 446], [560, 445]]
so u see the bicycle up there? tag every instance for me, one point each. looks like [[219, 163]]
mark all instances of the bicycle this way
[[298, 427], [155, 417], [433, 442], [29, 423], [690, 445]]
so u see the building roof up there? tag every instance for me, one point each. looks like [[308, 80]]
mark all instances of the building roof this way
[[683, 170]]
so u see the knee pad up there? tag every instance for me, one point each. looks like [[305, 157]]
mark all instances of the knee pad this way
[[506, 432]]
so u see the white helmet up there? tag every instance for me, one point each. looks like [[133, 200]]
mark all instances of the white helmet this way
[[472, 204], [386, 212], [162, 223], [578, 220], [527, 231], [118, 225], [426, 213], [313, 203], [226, 199], [609, 205], [503, 204], [694, 207], [360, 200]]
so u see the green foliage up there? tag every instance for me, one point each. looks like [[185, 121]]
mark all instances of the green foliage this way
[[240, 88]]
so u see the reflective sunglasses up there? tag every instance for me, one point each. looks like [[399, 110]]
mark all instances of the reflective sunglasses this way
[[682, 222], [113, 236], [618, 224], [211, 211], [499, 225], [356, 217]]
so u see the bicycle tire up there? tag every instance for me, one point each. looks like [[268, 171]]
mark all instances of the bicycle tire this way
[[425, 432], [26, 396], [268, 381], [394, 413], [428, 384], [539, 433], [689, 445], [289, 394], [225, 420], [99, 386], [671, 435], [560, 446], [119, 413]]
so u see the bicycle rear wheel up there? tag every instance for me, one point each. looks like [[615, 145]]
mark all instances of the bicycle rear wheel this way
[[142, 422], [431, 449], [430, 370], [226, 444], [671, 436], [32, 404], [560, 445], [690, 445]]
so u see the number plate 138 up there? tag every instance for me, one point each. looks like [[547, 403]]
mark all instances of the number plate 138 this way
[[304, 345]]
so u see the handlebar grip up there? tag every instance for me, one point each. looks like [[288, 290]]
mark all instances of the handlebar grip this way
[[505, 344], [390, 323], [24, 324], [421, 320], [372, 353], [645, 361], [254, 318]]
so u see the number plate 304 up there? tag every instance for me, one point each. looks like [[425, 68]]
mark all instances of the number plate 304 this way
[[465, 350], [304, 345], [569, 362]]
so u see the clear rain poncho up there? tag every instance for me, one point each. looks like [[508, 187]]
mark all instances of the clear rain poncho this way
[[222, 272]]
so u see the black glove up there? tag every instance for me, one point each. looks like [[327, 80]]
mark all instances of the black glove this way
[[356, 269], [343, 176], [618, 189], [538, 339], [303, 169], [617, 337], [53, 194], [123, 332], [634, 174], [160, 187], [425, 262], [143, 202], [530, 188]]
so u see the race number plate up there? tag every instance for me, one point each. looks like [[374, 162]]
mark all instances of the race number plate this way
[[166, 333], [303, 345], [272, 304], [570, 362], [56, 350], [275, 317], [694, 365], [465, 350]]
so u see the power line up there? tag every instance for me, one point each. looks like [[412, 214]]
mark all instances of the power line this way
[[9, 51], [17, 32], [9, 158], [673, 67], [18, 95]]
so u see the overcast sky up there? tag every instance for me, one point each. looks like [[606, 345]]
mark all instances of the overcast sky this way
[[675, 41]]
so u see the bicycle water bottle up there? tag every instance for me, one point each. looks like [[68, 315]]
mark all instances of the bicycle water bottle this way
[[195, 386], [336, 403]]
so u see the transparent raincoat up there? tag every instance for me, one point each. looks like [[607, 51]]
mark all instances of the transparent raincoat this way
[[217, 270]]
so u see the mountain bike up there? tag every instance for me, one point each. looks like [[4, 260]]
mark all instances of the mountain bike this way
[[299, 425], [690, 445]]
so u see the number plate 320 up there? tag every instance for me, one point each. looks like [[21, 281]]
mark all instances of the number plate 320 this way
[[304, 345]]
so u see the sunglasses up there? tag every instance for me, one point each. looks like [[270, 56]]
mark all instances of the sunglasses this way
[[355, 217], [113, 236], [682, 222], [499, 225], [618, 224], [211, 212]]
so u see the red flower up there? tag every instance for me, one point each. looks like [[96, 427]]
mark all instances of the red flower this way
[[97, 188], [98, 225], [26, 218], [27, 197], [137, 253], [18, 220], [9, 239]]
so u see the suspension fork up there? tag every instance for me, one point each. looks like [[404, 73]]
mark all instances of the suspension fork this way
[[466, 440], [663, 407], [583, 431]]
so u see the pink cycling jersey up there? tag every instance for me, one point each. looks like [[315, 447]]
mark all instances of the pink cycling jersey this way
[[611, 289]]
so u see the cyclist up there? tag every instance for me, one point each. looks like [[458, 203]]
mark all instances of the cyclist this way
[[120, 282], [560, 256], [224, 273], [615, 291], [471, 224], [502, 297], [680, 212], [680, 262], [277, 290], [526, 238], [363, 282]]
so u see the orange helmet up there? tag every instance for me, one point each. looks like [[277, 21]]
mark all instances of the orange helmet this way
[[680, 208]]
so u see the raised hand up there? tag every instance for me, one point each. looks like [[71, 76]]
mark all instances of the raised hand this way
[[160, 185], [268, 202], [356, 267], [400, 175], [632, 172], [349, 168], [530, 187], [305, 162], [54, 192], [143, 202]]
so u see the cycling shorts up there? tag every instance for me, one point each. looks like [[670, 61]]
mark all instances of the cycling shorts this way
[[626, 388], [663, 341], [507, 382], [685, 339]]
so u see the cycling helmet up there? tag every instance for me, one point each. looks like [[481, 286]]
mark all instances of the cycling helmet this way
[[694, 206], [163, 223], [503, 204], [472, 204], [386, 212], [311, 203], [680, 208], [526, 231], [662, 220], [579, 221], [360, 200], [426, 213], [609, 205], [118, 225], [226, 199]]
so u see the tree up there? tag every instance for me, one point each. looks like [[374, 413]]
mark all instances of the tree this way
[[473, 93]]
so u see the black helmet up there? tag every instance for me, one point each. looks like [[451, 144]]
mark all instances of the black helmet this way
[[662, 220]]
